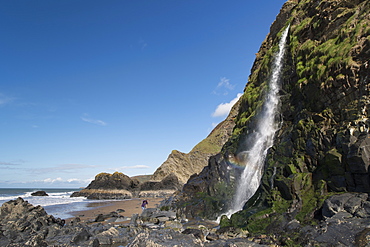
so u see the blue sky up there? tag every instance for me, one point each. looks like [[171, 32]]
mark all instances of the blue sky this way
[[101, 86]]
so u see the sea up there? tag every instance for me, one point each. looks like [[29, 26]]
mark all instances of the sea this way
[[58, 203]]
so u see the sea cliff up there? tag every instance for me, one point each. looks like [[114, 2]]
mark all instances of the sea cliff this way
[[120, 186], [322, 147]]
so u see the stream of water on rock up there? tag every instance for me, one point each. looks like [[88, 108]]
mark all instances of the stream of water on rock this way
[[260, 139]]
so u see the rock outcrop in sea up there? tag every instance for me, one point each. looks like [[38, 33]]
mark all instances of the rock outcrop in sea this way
[[121, 186], [109, 186], [39, 193]]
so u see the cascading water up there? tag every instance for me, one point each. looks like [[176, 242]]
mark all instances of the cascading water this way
[[261, 139]]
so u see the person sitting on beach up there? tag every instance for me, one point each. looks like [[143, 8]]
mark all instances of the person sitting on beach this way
[[143, 205]]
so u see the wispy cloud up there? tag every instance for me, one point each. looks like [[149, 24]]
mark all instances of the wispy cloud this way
[[8, 163], [128, 167], [86, 118], [4, 99], [223, 87], [47, 182], [224, 108], [52, 180], [60, 180], [143, 44], [65, 168], [13, 165]]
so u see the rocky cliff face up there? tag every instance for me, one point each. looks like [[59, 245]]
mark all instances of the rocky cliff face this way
[[183, 165], [323, 145]]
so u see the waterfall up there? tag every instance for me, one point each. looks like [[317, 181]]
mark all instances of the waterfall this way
[[260, 139]]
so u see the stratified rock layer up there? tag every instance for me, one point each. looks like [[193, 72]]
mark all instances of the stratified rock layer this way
[[120, 186], [109, 186]]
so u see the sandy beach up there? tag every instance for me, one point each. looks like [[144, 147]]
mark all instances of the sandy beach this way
[[130, 207]]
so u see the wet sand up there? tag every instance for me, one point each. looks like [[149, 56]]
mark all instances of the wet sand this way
[[130, 207]]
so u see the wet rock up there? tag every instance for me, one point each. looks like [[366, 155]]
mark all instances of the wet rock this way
[[39, 193]]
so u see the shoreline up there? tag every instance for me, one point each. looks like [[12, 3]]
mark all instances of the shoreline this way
[[127, 208]]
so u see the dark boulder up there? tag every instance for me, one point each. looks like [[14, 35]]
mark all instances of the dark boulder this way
[[39, 193]]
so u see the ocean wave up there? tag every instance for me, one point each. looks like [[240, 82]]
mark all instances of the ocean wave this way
[[55, 197], [57, 203]]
